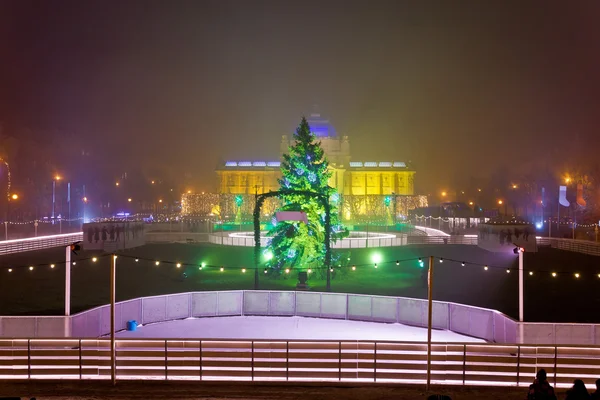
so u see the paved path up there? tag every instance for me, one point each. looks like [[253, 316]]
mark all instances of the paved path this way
[[177, 390]]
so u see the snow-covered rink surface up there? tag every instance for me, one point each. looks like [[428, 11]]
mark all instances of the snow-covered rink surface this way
[[289, 328]]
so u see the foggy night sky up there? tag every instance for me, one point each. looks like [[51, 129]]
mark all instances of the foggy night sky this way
[[456, 87]]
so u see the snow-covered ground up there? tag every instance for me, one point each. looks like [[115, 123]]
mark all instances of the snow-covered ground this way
[[292, 328]]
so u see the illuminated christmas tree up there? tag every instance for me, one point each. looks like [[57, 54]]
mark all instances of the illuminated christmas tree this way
[[305, 168]]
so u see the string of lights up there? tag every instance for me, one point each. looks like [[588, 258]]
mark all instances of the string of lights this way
[[421, 262], [53, 265], [44, 221], [578, 225]]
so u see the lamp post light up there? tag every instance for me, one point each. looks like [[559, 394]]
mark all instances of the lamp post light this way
[[85, 200], [54, 180], [12, 197]]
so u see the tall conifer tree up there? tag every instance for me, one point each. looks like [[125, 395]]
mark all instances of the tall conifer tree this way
[[305, 168]]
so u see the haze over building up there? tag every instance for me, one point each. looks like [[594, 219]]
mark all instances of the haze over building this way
[[361, 183]]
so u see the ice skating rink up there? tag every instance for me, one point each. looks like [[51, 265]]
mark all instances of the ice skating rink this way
[[289, 328]]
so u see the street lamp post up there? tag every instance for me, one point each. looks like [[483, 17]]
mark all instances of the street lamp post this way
[[69, 202], [53, 198], [13, 197], [500, 202], [395, 210], [85, 200], [54, 180]]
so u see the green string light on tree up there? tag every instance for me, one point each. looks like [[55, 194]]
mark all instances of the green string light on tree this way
[[305, 168]]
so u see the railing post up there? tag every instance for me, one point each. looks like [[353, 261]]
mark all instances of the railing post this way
[[518, 364], [28, 358], [287, 360], [80, 361], [166, 362], [339, 361], [200, 357], [113, 345], [464, 363], [555, 363], [429, 319], [375, 363], [252, 360]]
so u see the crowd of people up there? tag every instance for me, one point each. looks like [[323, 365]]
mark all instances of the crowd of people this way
[[542, 390]]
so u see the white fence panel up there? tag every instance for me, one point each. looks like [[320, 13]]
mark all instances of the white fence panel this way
[[229, 303], [39, 243], [282, 303], [256, 303], [204, 304]]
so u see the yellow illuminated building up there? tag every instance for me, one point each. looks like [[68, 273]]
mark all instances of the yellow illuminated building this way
[[348, 177], [366, 187]]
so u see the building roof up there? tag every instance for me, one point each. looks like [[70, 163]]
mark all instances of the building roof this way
[[320, 126], [379, 164], [251, 164]]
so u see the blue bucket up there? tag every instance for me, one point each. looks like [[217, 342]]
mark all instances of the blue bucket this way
[[132, 325]]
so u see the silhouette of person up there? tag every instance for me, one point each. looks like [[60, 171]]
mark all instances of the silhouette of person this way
[[112, 233], [509, 236], [596, 394], [104, 233], [578, 391], [90, 234], [517, 233], [96, 234], [541, 389]]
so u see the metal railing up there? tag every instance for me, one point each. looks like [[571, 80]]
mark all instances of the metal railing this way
[[295, 360], [38, 243], [44, 242], [456, 239], [176, 237], [578, 246], [354, 243]]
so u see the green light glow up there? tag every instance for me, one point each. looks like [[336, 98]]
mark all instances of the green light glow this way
[[376, 258], [239, 200]]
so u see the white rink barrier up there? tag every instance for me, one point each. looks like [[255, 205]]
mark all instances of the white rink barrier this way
[[486, 324], [489, 325]]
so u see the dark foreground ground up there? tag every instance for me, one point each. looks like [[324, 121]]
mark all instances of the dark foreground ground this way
[[229, 391], [564, 298]]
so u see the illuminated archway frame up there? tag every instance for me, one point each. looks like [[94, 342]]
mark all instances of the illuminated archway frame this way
[[324, 199]]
